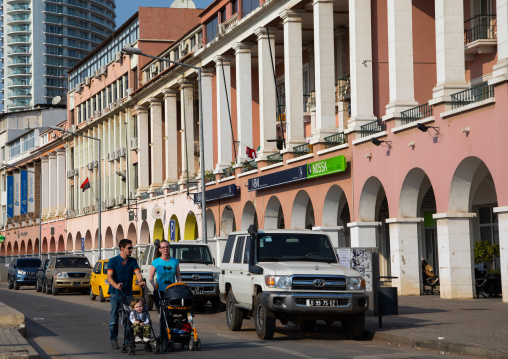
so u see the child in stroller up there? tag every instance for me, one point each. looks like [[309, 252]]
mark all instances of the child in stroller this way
[[137, 327], [177, 324]]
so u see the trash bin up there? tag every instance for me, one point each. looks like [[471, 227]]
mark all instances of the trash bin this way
[[387, 300]]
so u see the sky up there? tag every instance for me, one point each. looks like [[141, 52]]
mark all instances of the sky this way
[[126, 8]]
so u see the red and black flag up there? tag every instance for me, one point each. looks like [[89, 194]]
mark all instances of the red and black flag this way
[[85, 185]]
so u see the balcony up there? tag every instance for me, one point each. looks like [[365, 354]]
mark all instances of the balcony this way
[[472, 95], [158, 192], [273, 159], [480, 35], [336, 140], [144, 195], [174, 187], [249, 166], [416, 113], [372, 128], [227, 172], [302, 150], [344, 88]]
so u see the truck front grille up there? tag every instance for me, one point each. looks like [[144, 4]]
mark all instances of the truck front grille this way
[[76, 275], [189, 277], [325, 283]]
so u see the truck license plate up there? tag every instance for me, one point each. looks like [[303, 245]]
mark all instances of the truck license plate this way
[[196, 290], [321, 303], [76, 284]]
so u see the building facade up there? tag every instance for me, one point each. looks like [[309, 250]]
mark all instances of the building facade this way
[[42, 40]]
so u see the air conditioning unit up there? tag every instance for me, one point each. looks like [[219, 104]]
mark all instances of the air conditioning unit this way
[[119, 102], [104, 70], [76, 172], [221, 29], [183, 47], [96, 163], [78, 88], [90, 166], [112, 106], [197, 47], [118, 56], [97, 114], [87, 81], [97, 73], [70, 173], [111, 156], [134, 143], [129, 92], [120, 200], [110, 202], [122, 152], [72, 128], [53, 135], [154, 69]]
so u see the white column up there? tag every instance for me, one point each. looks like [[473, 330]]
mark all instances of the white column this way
[[500, 73], [450, 61], [45, 186], [363, 234], [455, 255], [360, 44], [325, 67], [52, 184], [502, 218], [156, 143], [267, 99], [243, 99], [207, 98], [143, 148], [405, 262], [187, 126], [400, 58], [224, 139], [61, 180], [171, 136], [293, 78]]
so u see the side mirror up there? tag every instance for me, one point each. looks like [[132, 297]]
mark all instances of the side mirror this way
[[213, 260]]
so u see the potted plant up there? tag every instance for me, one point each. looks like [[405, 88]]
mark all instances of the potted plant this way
[[486, 252]]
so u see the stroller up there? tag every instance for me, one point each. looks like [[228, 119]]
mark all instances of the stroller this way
[[129, 346], [177, 325]]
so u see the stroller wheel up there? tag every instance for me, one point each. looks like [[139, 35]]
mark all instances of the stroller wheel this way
[[171, 346], [148, 347], [191, 344], [124, 348], [132, 351], [197, 345], [157, 349]]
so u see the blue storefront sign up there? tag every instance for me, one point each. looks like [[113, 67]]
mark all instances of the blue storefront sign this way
[[24, 192], [172, 230], [279, 178], [217, 193], [10, 196]]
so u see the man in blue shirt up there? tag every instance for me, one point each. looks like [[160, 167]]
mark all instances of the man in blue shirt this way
[[121, 270]]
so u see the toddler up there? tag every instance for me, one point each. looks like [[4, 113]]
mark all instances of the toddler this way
[[140, 320]]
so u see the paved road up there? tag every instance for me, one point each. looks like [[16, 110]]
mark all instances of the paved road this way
[[71, 325]]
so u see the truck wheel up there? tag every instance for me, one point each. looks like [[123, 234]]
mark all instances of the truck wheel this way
[[11, 285], [101, 295], [264, 319], [47, 288], [353, 325], [234, 316], [54, 289], [92, 296], [38, 287], [308, 326], [16, 285]]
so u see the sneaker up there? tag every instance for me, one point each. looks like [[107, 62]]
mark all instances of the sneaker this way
[[114, 344], [146, 340], [138, 339]]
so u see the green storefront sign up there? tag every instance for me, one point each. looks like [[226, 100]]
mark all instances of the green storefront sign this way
[[2, 238], [326, 167]]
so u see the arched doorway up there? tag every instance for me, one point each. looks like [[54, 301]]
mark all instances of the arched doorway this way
[[88, 240], [45, 246], [191, 227], [36, 245], [52, 245], [336, 213], [108, 238], [274, 217], [227, 223], [131, 233], [175, 222], [60, 246], [249, 216], [211, 229], [2, 249], [29, 247], [70, 243], [9, 249], [16, 248], [302, 214], [77, 242], [158, 230], [22, 248], [144, 233], [119, 235]]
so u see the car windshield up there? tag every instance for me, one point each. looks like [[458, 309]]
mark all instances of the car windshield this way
[[72, 263], [35, 263], [275, 247], [191, 254]]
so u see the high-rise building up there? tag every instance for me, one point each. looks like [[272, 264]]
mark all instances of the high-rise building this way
[[41, 40]]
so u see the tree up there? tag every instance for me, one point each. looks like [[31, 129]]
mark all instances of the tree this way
[[485, 251]]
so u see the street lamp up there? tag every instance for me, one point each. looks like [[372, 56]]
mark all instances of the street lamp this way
[[100, 177], [136, 51], [40, 204]]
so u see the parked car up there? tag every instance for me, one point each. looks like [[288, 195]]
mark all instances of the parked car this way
[[197, 268], [41, 275], [23, 271], [99, 285], [292, 276], [69, 273]]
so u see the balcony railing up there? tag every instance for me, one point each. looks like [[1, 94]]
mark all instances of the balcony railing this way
[[144, 195], [372, 128], [416, 113], [227, 172], [472, 95], [249, 166], [344, 88], [158, 192], [480, 27], [335, 140], [174, 187], [275, 158], [302, 150]]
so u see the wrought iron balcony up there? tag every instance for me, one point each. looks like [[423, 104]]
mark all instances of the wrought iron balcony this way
[[302, 150], [275, 158], [335, 140], [480, 27], [372, 128], [344, 88], [227, 172], [158, 192], [416, 113], [174, 187], [144, 195], [249, 166], [472, 95]]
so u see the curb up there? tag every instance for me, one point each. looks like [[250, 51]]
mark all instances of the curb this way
[[438, 345], [18, 347]]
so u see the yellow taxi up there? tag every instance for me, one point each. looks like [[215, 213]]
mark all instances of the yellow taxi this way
[[99, 282]]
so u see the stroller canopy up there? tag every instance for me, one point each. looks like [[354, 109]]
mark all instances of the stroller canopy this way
[[178, 296]]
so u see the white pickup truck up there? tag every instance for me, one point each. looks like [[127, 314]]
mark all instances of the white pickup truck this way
[[292, 276], [197, 268]]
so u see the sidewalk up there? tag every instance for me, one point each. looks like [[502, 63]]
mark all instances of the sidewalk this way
[[476, 327], [13, 345]]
